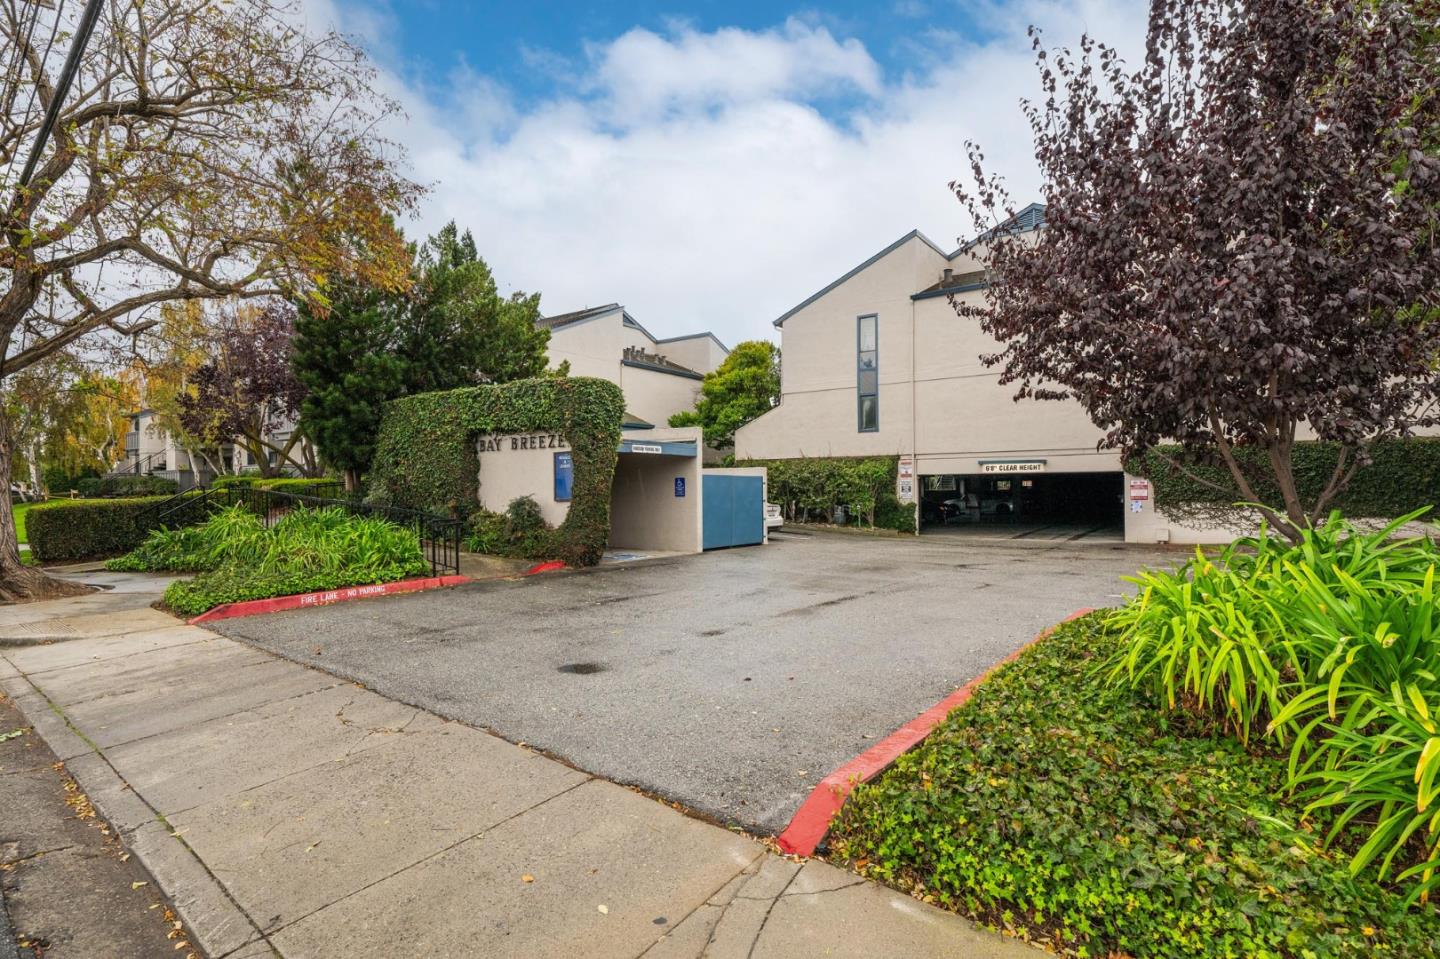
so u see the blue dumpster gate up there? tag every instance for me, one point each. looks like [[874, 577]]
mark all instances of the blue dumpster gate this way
[[734, 511]]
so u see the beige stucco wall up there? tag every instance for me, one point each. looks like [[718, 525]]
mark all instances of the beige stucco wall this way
[[700, 352], [817, 415], [592, 347], [937, 400], [515, 469], [595, 347], [645, 513], [654, 396]]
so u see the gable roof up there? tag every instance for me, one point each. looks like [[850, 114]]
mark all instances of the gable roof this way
[[695, 336], [1030, 218], [958, 283], [578, 316], [913, 234], [645, 360]]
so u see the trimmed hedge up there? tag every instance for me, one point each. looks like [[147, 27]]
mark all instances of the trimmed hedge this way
[[1404, 476], [425, 455], [81, 529], [811, 488], [141, 484], [284, 484]]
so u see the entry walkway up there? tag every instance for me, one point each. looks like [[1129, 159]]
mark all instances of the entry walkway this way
[[289, 813]]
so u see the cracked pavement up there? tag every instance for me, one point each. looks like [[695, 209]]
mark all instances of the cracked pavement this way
[[287, 812]]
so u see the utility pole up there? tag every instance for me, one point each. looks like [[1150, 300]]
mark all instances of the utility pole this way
[[62, 87]]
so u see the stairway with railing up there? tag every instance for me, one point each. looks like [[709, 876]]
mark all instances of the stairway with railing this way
[[149, 463]]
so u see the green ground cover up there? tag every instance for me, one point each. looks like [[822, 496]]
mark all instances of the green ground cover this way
[[1075, 810], [20, 509], [237, 558]]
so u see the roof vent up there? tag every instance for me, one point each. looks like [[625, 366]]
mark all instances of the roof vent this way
[[946, 276]]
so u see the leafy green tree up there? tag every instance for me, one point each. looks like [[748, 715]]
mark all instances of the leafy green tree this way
[[348, 363], [459, 330], [370, 345], [204, 151], [740, 389]]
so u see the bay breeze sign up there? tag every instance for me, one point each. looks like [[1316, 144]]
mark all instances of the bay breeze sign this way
[[525, 441]]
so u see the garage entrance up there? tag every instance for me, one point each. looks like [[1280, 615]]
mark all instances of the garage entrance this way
[[1064, 506], [654, 499]]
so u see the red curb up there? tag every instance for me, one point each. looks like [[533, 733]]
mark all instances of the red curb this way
[[812, 820], [255, 607], [549, 567]]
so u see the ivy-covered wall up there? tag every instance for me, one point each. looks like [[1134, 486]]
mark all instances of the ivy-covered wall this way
[[425, 455], [1404, 476], [809, 488]]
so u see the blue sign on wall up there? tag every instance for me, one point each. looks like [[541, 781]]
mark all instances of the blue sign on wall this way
[[679, 486], [564, 477]]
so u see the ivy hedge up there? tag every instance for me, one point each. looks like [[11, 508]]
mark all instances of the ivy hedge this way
[[1404, 476], [141, 484], [810, 488], [425, 455], [74, 529], [301, 485]]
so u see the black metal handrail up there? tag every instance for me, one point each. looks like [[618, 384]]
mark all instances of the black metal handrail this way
[[138, 468]]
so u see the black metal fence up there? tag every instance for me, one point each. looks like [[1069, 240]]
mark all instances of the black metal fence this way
[[440, 536]]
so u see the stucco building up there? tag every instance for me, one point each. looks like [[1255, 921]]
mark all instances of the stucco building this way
[[151, 450], [879, 363], [660, 377]]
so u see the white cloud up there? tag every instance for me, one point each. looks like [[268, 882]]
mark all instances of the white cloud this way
[[641, 74], [690, 175]]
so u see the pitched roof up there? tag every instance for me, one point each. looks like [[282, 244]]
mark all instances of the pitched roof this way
[[913, 234], [1031, 217], [645, 360], [694, 336], [565, 319], [958, 283]]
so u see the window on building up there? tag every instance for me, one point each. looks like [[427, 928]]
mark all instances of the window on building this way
[[868, 372]]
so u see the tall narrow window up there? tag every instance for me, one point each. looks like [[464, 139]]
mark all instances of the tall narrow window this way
[[868, 372]]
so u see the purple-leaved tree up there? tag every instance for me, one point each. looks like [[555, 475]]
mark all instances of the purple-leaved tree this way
[[1240, 240], [248, 395]]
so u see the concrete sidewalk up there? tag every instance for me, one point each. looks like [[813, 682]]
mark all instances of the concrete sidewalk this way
[[289, 813]]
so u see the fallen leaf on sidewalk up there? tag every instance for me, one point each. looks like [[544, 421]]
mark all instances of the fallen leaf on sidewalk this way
[[12, 734], [604, 910], [137, 885], [527, 878]]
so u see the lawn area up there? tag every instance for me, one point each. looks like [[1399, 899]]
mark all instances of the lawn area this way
[[20, 509], [1074, 812]]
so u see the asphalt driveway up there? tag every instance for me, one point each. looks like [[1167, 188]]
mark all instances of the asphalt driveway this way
[[731, 682]]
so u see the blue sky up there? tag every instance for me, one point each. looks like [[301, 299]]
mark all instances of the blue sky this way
[[707, 164], [534, 47]]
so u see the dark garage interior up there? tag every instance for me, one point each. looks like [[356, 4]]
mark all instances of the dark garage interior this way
[[1088, 502]]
